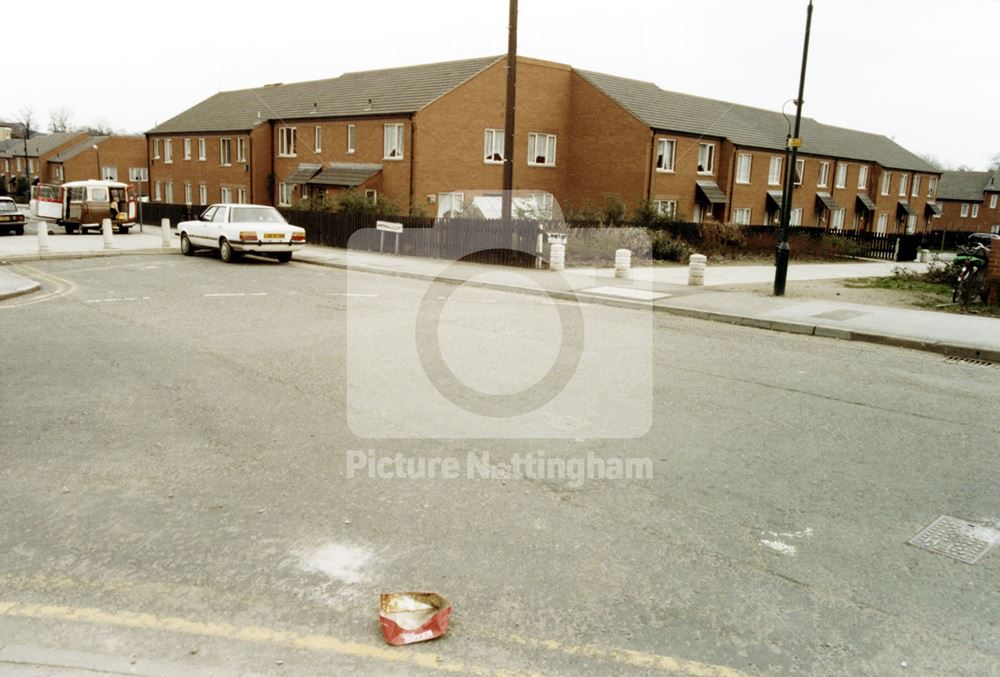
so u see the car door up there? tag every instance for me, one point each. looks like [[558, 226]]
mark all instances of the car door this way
[[197, 229], [215, 228]]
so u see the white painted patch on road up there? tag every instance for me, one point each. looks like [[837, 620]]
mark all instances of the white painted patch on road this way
[[221, 295], [340, 561], [779, 547], [805, 533], [355, 295], [626, 293], [119, 300]]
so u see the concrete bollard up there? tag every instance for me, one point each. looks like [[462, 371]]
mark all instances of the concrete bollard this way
[[106, 231], [925, 255], [165, 233], [557, 257], [43, 236], [696, 270], [623, 264]]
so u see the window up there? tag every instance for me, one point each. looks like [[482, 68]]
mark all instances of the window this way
[[138, 174], [916, 186], [493, 146], [284, 195], [371, 195], [774, 172], [542, 149], [187, 149], [824, 175], [169, 194], [800, 170], [666, 153], [109, 173], [993, 201], [202, 194], [904, 184], [932, 186], [241, 196], [20, 164], [187, 193], [883, 224], [318, 139], [157, 192], [241, 150], [226, 195], [886, 180], [995, 229], [911, 224], [156, 149], [201, 149], [837, 219], [451, 204], [393, 141], [6, 165], [841, 181], [743, 164], [706, 158], [31, 165], [795, 217], [965, 210], [741, 216], [225, 152], [862, 177], [975, 211], [351, 138], [286, 141], [667, 208], [57, 172], [168, 151]]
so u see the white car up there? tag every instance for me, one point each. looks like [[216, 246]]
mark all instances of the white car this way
[[237, 229]]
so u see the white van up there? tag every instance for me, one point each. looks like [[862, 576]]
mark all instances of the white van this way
[[82, 205]]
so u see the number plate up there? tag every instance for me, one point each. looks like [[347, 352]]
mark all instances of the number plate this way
[[6, 218], [273, 236]]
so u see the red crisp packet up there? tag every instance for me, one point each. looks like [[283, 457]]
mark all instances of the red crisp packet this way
[[409, 617]]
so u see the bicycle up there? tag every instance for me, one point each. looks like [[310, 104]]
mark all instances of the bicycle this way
[[973, 260]]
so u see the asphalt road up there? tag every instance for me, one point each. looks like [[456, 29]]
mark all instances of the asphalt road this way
[[175, 499]]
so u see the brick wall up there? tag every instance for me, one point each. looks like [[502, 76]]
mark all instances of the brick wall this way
[[120, 152], [194, 171], [952, 219]]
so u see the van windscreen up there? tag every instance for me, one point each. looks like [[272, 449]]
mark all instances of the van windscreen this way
[[98, 194]]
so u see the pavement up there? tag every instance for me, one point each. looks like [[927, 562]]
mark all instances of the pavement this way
[[663, 288]]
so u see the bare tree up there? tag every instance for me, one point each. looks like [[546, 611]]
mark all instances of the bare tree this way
[[931, 160], [99, 127], [59, 120], [995, 163], [26, 117]]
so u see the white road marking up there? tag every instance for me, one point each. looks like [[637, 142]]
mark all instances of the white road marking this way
[[780, 547], [366, 296], [233, 294], [119, 300]]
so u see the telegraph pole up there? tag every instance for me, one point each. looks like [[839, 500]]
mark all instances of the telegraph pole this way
[[508, 127], [781, 269]]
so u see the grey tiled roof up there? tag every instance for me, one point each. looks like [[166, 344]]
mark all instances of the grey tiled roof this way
[[967, 186], [348, 174], [304, 172], [747, 126], [37, 145], [81, 147], [391, 91]]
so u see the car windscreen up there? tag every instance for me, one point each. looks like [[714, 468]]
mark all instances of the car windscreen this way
[[8, 207], [98, 194], [256, 215]]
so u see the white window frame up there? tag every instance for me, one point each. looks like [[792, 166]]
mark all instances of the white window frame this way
[[932, 186], [393, 141], [168, 151], [225, 195], [995, 229], [710, 165], [800, 172], [549, 142], [57, 172], [138, 174], [965, 210], [168, 192], [371, 195], [886, 183], [666, 155], [882, 225], [188, 194], [741, 216], [286, 142], [795, 217], [774, 167], [201, 149], [904, 184], [318, 139], [202, 194], [450, 199], [667, 208], [284, 195], [837, 219], [915, 190], [993, 201], [31, 165], [187, 148], [863, 177], [840, 180], [491, 137], [241, 149], [352, 139], [975, 210], [158, 191], [744, 168], [225, 152], [156, 149], [824, 175], [911, 224], [241, 196], [109, 173]]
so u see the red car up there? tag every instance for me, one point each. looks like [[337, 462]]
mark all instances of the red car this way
[[11, 218]]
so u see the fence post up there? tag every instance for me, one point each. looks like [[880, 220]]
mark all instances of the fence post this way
[[106, 231], [165, 233]]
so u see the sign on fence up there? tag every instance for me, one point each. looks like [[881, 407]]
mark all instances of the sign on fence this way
[[388, 227]]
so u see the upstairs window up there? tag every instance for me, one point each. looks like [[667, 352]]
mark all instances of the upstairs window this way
[[800, 170], [168, 151], [841, 181], [862, 177], [932, 186], [542, 150], [743, 166], [318, 139], [201, 150], [706, 158], [286, 141], [904, 184], [965, 210], [666, 153], [393, 141], [886, 181], [824, 175], [351, 138], [241, 150], [975, 211], [225, 152], [187, 149], [493, 146], [774, 171], [156, 149]]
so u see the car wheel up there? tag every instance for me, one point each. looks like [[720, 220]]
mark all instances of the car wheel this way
[[18, 230], [123, 230], [226, 252], [283, 257], [187, 249], [70, 229]]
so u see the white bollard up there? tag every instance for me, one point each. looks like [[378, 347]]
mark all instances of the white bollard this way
[[165, 232], [696, 270], [557, 257], [623, 264], [106, 230], [43, 236], [925, 255]]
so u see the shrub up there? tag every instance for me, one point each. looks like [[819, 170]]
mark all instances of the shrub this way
[[721, 239], [665, 247], [613, 209], [596, 246]]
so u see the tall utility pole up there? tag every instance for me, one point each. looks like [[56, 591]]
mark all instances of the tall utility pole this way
[[781, 269], [508, 125]]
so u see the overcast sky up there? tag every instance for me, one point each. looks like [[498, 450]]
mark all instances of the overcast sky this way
[[924, 72]]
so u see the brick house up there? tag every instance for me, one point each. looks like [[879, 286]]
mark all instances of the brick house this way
[[117, 158], [422, 136], [41, 149], [970, 202]]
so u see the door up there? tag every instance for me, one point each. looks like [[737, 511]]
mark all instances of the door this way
[[48, 202], [198, 229]]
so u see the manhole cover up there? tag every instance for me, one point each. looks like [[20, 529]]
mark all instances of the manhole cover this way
[[840, 315], [955, 359], [958, 539]]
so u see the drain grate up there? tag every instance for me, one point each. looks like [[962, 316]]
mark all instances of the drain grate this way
[[956, 538], [955, 359]]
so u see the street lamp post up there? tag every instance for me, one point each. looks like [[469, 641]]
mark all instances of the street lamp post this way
[[781, 269], [99, 177], [509, 112]]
